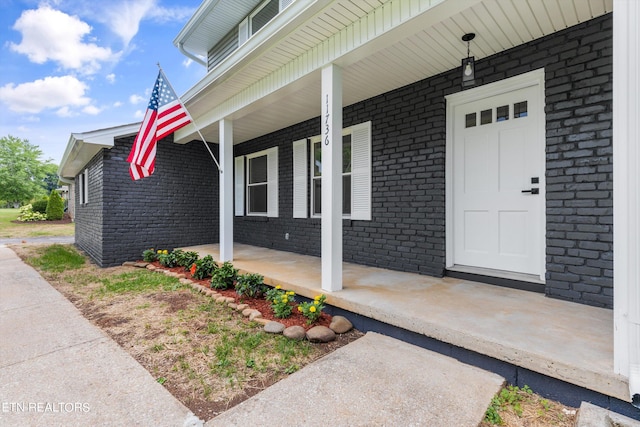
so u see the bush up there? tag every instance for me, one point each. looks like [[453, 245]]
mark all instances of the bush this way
[[250, 285], [203, 268], [224, 276], [27, 214], [55, 207], [167, 259], [186, 259], [149, 255], [40, 205], [312, 310], [281, 301]]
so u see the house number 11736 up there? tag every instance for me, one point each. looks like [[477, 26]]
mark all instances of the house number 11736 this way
[[327, 125]]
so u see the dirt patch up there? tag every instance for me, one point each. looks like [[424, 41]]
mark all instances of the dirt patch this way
[[177, 300]]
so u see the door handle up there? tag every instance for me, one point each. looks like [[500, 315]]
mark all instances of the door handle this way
[[532, 191]]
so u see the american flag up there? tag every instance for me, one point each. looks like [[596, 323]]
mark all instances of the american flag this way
[[165, 114]]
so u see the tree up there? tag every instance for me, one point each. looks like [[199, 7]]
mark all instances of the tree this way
[[55, 206], [22, 173], [50, 180]]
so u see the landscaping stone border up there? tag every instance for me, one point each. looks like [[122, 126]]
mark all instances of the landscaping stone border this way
[[317, 334]]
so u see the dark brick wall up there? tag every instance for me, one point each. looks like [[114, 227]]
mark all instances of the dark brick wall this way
[[579, 164], [407, 231], [176, 206], [88, 216]]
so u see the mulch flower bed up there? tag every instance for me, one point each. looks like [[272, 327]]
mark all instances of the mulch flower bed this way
[[260, 304]]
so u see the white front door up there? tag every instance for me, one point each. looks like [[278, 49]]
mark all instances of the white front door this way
[[498, 182]]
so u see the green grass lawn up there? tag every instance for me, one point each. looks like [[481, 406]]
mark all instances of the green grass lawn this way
[[9, 229]]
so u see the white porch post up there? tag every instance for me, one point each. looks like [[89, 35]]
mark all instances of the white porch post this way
[[331, 178], [226, 190], [626, 188]]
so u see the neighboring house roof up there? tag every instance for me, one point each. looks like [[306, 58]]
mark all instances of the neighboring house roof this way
[[83, 146], [273, 81]]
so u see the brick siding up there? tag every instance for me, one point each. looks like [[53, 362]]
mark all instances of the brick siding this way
[[176, 206], [407, 231]]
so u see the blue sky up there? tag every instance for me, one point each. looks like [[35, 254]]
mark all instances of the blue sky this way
[[76, 66]]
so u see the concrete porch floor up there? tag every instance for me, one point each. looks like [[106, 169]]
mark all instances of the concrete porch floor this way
[[562, 340]]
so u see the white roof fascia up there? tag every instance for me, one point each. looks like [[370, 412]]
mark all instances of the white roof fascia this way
[[223, 15], [83, 146]]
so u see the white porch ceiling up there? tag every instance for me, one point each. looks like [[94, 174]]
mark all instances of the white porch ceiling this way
[[416, 50]]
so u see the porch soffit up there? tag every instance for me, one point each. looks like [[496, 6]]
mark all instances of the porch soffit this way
[[380, 44]]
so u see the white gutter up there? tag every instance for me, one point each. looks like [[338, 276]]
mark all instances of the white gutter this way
[[191, 55]]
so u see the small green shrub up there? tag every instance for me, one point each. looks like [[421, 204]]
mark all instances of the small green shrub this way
[[55, 207], [167, 259], [40, 205], [312, 310], [149, 255], [281, 301], [186, 259], [27, 214], [250, 285], [203, 268], [224, 276]]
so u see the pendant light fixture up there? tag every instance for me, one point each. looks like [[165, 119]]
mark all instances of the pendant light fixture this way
[[468, 64]]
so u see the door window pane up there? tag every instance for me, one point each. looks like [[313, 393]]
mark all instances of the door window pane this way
[[502, 113], [470, 120], [486, 117], [520, 109]]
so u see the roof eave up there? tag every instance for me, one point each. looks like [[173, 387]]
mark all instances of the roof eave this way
[[83, 146]]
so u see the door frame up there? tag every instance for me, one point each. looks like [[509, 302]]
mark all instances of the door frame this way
[[532, 78]]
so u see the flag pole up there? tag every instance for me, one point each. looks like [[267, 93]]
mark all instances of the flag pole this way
[[204, 141]]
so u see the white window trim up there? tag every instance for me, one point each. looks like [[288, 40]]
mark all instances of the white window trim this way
[[83, 187], [360, 172], [245, 30], [242, 182]]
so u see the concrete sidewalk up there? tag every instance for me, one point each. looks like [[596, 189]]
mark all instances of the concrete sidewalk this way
[[374, 381], [57, 369]]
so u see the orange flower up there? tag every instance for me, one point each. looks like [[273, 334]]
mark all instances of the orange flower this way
[[193, 269]]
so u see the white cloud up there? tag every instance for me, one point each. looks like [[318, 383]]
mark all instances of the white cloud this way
[[175, 14], [92, 110], [136, 99], [139, 114], [117, 104], [51, 35], [111, 78], [66, 112], [47, 93], [124, 17], [187, 62]]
